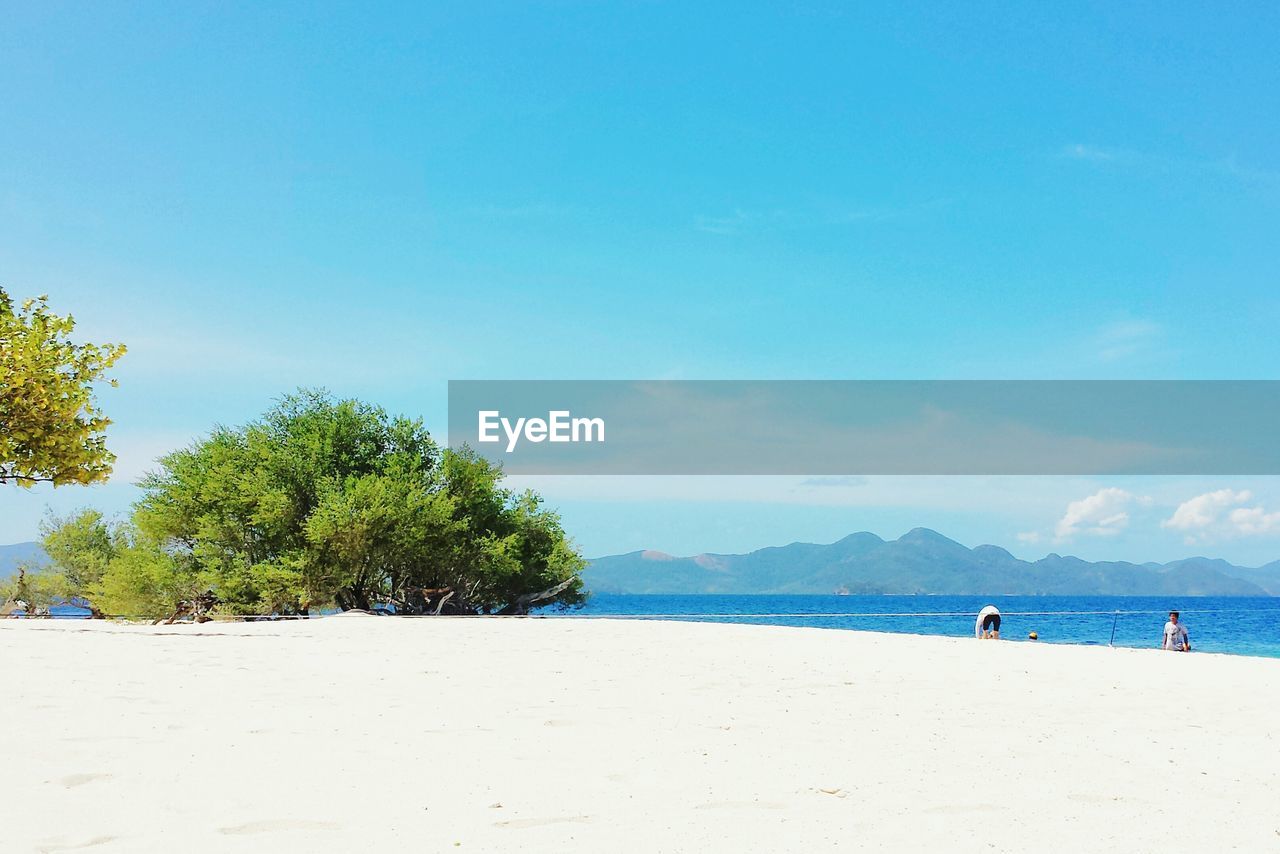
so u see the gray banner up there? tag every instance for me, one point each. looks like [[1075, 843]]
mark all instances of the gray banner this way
[[870, 427]]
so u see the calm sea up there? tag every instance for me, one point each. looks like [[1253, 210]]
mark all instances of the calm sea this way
[[1241, 626]]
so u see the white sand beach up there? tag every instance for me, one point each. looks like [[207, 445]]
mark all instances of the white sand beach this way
[[362, 733]]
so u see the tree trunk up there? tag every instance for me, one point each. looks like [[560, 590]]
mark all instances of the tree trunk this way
[[522, 604], [443, 599], [353, 598]]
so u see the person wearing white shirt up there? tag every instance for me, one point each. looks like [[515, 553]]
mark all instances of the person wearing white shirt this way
[[988, 625], [1176, 638]]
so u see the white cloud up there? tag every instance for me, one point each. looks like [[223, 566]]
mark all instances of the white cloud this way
[[1205, 511], [1127, 338], [1102, 514], [836, 480], [725, 224], [1029, 537], [740, 220], [1219, 515], [1255, 520], [1080, 151], [1153, 163]]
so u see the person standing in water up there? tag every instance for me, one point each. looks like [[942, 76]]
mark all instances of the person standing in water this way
[[988, 625], [1176, 638]]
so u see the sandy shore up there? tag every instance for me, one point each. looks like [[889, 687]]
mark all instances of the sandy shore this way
[[359, 733]]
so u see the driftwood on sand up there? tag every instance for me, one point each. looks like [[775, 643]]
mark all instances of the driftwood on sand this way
[[197, 609]]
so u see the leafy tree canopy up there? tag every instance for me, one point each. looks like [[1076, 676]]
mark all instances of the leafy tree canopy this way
[[50, 427], [324, 502]]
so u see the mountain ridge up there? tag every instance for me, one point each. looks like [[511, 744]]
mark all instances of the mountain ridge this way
[[16, 554], [921, 561]]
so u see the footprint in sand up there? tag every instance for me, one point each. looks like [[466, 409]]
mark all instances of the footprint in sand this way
[[518, 823], [741, 805], [963, 809], [276, 826], [80, 779], [51, 847]]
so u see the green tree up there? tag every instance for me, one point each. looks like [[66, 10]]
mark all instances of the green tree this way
[[143, 580], [50, 427], [36, 587], [506, 554], [370, 538], [80, 547], [334, 502]]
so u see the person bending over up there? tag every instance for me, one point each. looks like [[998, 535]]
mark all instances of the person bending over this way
[[988, 625]]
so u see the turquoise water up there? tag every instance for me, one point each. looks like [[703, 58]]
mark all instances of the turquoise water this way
[[1240, 626]]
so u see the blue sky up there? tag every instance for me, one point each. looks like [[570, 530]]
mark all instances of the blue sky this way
[[380, 199]]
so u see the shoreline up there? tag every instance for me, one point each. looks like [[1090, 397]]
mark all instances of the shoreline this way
[[763, 620], [556, 734]]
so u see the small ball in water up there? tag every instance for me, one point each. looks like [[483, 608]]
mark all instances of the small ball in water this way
[[1033, 636]]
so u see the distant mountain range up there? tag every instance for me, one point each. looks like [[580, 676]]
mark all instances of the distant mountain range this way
[[921, 562], [19, 553]]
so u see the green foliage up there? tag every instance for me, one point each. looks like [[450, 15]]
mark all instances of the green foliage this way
[[112, 568], [142, 580], [80, 547], [50, 427], [322, 502], [39, 587]]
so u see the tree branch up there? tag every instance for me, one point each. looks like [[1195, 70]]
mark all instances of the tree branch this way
[[522, 603], [443, 599], [5, 477]]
